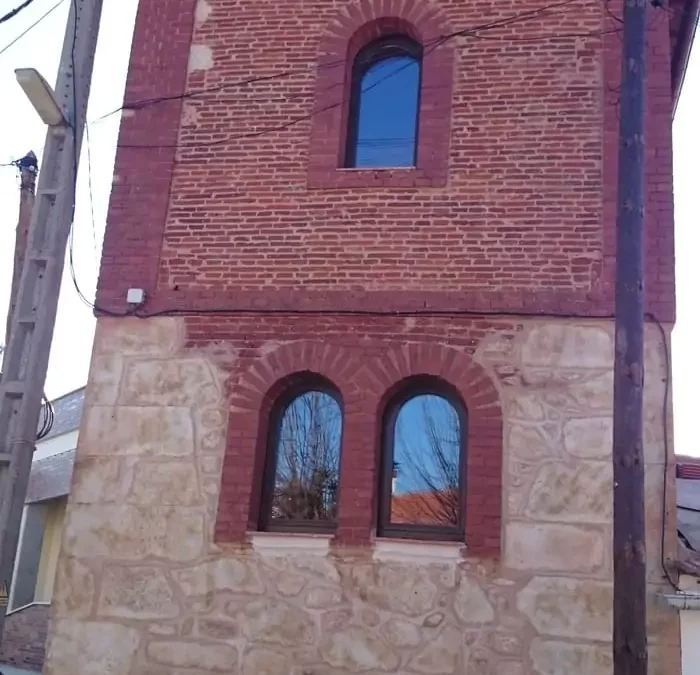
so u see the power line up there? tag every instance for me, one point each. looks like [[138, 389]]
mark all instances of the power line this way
[[472, 32], [92, 199], [15, 11], [34, 25], [498, 23]]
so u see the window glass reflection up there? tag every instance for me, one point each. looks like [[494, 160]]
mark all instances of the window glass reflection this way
[[387, 113], [426, 463], [307, 459]]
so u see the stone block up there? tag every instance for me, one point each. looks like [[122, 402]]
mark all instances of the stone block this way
[[274, 622], [402, 589], [171, 382], [104, 379], [400, 633], [134, 532], [441, 656], [471, 604], [90, 648], [323, 598], [568, 608], [218, 628], [589, 438], [75, 589], [554, 548], [96, 480], [550, 657], [529, 442], [116, 431], [358, 651], [594, 394], [211, 657], [160, 336], [165, 482], [568, 346], [264, 662], [137, 593], [225, 574], [580, 493]]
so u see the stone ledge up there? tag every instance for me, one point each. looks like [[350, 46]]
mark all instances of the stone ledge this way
[[413, 550], [283, 543]]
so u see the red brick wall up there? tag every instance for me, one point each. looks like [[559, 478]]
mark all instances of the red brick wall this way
[[525, 221], [24, 638]]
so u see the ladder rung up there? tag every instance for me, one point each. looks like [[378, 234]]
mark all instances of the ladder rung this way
[[48, 192], [5, 458], [14, 389]]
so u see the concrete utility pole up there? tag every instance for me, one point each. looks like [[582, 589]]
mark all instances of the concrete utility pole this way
[[27, 354], [28, 168], [629, 612]]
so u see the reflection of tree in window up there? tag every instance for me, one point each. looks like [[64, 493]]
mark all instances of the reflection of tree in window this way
[[427, 442], [307, 459], [383, 125]]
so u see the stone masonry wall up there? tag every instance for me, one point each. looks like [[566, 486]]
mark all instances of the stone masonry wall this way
[[143, 589]]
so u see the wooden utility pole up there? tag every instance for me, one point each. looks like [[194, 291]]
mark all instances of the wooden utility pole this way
[[28, 168], [629, 612]]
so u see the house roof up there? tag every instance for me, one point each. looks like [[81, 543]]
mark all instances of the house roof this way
[[425, 508], [50, 477], [683, 26], [688, 514]]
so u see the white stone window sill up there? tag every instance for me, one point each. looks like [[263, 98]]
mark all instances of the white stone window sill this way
[[283, 543], [415, 550]]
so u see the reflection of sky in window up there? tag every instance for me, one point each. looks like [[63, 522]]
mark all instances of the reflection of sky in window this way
[[426, 445], [309, 440], [388, 113]]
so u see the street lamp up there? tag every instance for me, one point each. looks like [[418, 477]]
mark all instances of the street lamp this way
[[41, 96]]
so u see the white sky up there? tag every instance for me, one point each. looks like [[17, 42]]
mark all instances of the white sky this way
[[21, 131]]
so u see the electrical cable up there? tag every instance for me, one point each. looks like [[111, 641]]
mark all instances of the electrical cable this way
[[48, 417], [92, 199], [34, 25], [15, 11], [664, 423], [521, 16], [297, 120]]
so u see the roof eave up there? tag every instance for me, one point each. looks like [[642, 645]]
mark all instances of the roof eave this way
[[688, 25]]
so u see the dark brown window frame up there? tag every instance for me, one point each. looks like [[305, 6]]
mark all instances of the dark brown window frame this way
[[420, 386], [265, 521], [376, 51]]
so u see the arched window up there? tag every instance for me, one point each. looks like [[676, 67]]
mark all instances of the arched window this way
[[384, 103], [300, 488], [423, 470]]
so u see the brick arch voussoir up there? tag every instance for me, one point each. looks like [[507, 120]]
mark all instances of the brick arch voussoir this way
[[265, 380], [484, 429], [367, 19]]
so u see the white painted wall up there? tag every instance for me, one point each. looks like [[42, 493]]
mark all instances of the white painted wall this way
[[690, 642], [56, 445]]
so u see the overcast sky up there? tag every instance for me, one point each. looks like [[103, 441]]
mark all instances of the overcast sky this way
[[21, 131]]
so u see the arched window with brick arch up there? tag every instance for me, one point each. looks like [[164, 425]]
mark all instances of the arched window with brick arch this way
[[423, 472], [384, 100], [302, 462]]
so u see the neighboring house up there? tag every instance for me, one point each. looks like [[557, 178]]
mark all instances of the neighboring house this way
[[40, 537], [377, 262], [686, 596]]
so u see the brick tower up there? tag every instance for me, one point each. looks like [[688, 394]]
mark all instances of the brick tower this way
[[362, 422]]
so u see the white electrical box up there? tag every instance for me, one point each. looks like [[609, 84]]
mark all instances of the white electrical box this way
[[135, 296]]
